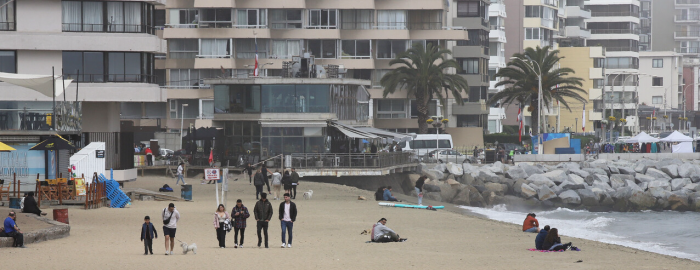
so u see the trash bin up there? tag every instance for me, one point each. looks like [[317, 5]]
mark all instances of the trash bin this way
[[186, 192], [60, 215], [15, 203]]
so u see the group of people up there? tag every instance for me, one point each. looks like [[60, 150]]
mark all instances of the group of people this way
[[547, 238], [289, 181], [384, 193], [146, 150], [595, 148]]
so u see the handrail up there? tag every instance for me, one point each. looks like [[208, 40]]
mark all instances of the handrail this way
[[256, 164]]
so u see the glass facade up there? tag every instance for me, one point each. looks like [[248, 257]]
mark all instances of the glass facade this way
[[282, 98], [248, 138]]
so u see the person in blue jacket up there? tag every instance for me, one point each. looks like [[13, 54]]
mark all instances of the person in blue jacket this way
[[387, 195], [540, 237], [148, 233]]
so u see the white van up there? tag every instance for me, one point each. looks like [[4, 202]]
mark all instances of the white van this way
[[424, 143]]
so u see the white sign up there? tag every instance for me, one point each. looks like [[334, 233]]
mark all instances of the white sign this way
[[211, 174]]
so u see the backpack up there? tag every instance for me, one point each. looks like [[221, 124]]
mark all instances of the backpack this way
[[165, 188]]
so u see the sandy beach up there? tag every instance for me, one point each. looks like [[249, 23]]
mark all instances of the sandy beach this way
[[326, 235]]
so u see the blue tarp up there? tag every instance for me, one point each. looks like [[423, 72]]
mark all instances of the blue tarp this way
[[549, 137], [576, 145]]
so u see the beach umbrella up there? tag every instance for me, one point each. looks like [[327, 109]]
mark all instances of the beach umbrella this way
[[5, 148], [54, 143]]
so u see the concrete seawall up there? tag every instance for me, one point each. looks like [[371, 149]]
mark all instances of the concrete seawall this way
[[57, 231]]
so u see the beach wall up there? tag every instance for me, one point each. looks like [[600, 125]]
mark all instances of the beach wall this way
[[399, 182], [57, 231]]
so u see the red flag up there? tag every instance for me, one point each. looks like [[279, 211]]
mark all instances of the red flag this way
[[211, 156], [255, 71], [520, 120]]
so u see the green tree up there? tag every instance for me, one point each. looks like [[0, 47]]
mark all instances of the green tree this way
[[521, 81], [422, 75]]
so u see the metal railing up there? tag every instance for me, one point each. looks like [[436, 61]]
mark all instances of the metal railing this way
[[687, 34], [615, 31], [622, 49], [68, 118], [687, 2], [614, 13], [110, 28], [359, 161], [425, 26], [103, 78]]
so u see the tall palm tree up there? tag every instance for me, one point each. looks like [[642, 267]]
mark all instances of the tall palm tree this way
[[521, 81], [422, 75]]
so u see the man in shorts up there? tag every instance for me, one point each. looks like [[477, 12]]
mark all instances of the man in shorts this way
[[170, 218]]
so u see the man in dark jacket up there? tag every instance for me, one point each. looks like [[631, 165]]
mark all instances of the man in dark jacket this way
[[287, 215], [295, 183], [249, 169], [263, 214], [540, 237], [148, 233], [259, 181]]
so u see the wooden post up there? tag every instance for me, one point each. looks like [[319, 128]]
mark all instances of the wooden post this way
[[18, 184], [14, 185], [60, 193], [86, 196]]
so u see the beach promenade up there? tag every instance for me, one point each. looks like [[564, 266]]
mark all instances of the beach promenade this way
[[326, 236]]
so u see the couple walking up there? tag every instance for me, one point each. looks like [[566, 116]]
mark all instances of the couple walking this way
[[287, 216], [223, 223]]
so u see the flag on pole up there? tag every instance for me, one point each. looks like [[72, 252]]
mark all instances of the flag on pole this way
[[255, 71], [583, 124], [211, 156], [520, 121]]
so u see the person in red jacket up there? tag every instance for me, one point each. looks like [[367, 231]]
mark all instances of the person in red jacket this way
[[149, 157], [530, 224]]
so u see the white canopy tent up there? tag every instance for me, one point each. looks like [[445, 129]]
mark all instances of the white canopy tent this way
[[684, 143], [43, 84], [642, 137]]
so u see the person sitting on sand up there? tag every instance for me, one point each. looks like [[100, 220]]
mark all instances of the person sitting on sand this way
[[530, 224], [553, 243], [30, 205], [379, 195], [388, 196], [383, 234], [540, 237]]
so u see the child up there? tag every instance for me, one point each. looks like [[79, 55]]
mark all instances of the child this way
[[147, 233]]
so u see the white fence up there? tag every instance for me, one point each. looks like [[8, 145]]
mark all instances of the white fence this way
[[85, 162], [607, 156]]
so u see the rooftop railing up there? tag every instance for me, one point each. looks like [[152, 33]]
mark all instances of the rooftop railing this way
[[357, 161]]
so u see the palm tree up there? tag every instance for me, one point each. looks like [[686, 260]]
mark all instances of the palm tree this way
[[422, 75], [521, 81]]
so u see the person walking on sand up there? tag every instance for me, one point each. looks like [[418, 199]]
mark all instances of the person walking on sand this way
[[266, 173], [221, 218], [180, 171], [531, 224], [419, 189], [239, 214], [148, 233], [277, 184], [170, 218], [287, 182], [287, 214], [259, 181], [263, 214], [249, 169], [295, 183]]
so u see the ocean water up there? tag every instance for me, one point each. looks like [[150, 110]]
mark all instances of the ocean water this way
[[668, 232]]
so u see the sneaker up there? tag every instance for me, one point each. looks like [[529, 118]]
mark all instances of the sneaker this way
[[235, 246], [283, 245], [166, 253], [289, 245], [241, 246], [258, 245], [171, 252], [145, 253]]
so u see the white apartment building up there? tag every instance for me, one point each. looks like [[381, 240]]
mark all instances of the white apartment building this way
[[497, 60], [661, 80]]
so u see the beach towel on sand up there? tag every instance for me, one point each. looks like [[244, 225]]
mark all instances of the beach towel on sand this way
[[572, 248]]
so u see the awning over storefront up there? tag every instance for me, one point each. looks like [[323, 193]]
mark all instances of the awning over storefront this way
[[352, 132], [293, 124], [386, 134]]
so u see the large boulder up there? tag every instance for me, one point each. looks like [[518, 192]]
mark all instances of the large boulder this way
[[602, 186], [496, 167], [658, 192], [597, 177], [644, 185], [529, 169], [499, 189], [557, 176], [623, 193], [431, 188], [657, 174], [488, 176], [526, 191], [462, 197], [580, 173], [627, 170], [665, 184], [642, 200], [574, 182], [679, 183], [570, 197], [613, 170], [685, 170], [695, 178], [468, 168], [440, 167], [540, 179], [694, 201], [671, 170], [641, 178], [516, 173], [435, 196], [455, 169], [466, 179], [516, 188], [433, 174], [618, 180], [692, 187], [588, 197], [557, 189], [678, 202], [596, 171], [475, 198], [568, 166], [641, 168], [630, 183], [545, 193]]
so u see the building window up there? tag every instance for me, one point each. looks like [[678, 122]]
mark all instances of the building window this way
[[657, 81], [285, 18], [236, 98], [468, 9], [215, 18], [356, 19], [391, 108], [533, 34], [184, 18], [391, 19], [432, 108], [425, 19], [323, 18], [7, 15], [214, 48], [285, 49], [469, 65], [599, 62], [123, 17], [389, 49], [657, 63], [295, 98], [355, 49], [8, 61], [251, 18], [322, 48], [183, 48], [598, 83], [377, 75], [193, 78], [533, 11], [477, 37], [108, 66], [657, 100], [246, 49]]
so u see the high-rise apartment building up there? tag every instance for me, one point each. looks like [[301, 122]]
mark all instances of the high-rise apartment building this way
[[209, 39], [106, 47], [497, 60]]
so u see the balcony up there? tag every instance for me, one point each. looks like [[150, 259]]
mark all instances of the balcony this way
[[178, 31], [614, 31], [686, 34], [81, 41], [687, 2], [497, 9], [577, 32], [595, 116], [689, 18], [471, 108], [443, 34], [595, 73], [497, 34], [615, 14], [577, 12], [325, 4]]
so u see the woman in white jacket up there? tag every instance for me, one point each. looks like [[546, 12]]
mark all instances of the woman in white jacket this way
[[276, 184]]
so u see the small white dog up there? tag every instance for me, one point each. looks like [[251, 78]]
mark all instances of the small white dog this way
[[308, 194], [187, 248]]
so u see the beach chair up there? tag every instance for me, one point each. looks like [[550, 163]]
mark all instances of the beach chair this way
[[44, 190]]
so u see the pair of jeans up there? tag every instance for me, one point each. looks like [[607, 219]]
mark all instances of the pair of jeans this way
[[235, 235], [420, 198], [258, 190], [262, 226], [147, 245], [221, 235], [179, 178], [18, 239], [149, 160], [287, 226]]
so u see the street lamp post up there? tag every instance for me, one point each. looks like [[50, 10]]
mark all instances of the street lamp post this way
[[182, 123], [576, 126]]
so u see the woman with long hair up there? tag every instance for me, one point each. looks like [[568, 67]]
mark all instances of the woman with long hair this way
[[553, 242], [221, 217]]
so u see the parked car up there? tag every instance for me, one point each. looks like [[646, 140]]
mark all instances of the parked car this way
[[519, 149], [450, 155], [166, 152]]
